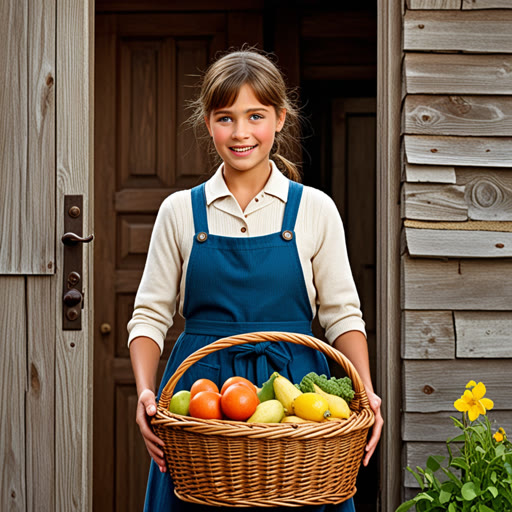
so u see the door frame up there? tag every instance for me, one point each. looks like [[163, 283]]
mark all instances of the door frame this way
[[389, 97], [74, 143]]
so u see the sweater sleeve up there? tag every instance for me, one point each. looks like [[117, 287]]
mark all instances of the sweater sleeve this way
[[337, 298], [155, 302]]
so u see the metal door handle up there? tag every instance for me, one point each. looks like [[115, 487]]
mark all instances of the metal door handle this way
[[71, 239]]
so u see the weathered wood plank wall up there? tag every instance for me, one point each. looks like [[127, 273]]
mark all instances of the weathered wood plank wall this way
[[27, 126], [456, 206]]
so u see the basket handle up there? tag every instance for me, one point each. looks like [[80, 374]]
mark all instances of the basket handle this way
[[360, 398]]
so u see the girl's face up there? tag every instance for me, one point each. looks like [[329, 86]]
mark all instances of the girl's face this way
[[244, 133]]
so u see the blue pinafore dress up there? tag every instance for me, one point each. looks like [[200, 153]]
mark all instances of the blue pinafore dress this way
[[234, 286]]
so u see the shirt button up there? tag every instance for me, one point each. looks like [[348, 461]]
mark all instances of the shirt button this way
[[256, 199], [243, 230]]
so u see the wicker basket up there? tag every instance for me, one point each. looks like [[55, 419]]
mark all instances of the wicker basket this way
[[230, 463]]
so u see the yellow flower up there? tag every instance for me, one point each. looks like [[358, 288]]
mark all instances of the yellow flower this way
[[473, 401], [500, 435]]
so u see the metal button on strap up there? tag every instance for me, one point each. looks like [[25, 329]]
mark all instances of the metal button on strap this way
[[243, 230], [201, 237], [287, 235]]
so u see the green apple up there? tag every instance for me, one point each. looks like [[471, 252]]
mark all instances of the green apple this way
[[180, 402]]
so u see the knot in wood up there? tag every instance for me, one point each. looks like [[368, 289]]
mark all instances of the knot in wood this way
[[428, 390], [500, 245]]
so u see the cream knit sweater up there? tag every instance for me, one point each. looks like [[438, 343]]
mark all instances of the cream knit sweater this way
[[320, 242]]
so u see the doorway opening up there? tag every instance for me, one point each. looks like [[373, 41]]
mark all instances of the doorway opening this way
[[146, 56]]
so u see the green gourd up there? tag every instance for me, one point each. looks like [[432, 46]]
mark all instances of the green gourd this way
[[267, 389]]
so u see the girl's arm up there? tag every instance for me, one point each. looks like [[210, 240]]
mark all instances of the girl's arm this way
[[354, 346], [145, 355]]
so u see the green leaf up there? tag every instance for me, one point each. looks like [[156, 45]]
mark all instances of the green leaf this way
[[418, 478], [434, 462], [452, 507], [480, 449], [500, 450], [458, 439], [484, 508], [494, 478], [508, 468], [406, 506], [492, 490], [468, 491], [444, 497], [459, 462], [452, 477]]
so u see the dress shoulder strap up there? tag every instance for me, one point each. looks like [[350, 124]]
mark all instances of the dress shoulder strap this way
[[292, 206], [199, 208]]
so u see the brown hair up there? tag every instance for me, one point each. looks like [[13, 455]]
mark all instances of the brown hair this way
[[220, 85]]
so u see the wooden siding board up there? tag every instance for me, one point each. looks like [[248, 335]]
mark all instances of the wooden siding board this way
[[470, 31], [468, 284], [428, 335], [13, 379], [423, 201], [458, 115], [486, 4], [429, 174], [483, 334], [40, 396], [467, 151], [27, 132], [438, 426], [458, 244], [73, 353], [431, 73], [480, 194], [434, 4], [435, 387]]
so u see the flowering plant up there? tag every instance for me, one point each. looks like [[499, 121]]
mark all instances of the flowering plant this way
[[479, 469]]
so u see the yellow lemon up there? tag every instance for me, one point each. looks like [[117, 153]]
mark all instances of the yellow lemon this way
[[311, 406]]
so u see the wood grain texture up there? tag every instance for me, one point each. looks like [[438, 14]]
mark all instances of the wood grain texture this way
[[73, 353], [431, 243], [470, 151], [435, 73], [456, 284], [438, 427], [40, 403], [483, 334], [434, 387], [486, 4], [13, 379], [429, 173], [428, 335], [458, 115], [27, 132], [389, 91], [471, 31], [434, 4], [424, 201]]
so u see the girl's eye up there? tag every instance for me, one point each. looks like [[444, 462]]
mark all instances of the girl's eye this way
[[224, 119], [256, 117]]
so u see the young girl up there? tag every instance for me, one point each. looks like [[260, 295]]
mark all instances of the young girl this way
[[250, 250]]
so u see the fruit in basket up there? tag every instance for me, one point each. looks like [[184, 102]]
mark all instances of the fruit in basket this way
[[294, 419], [180, 402], [269, 411], [340, 387], [238, 380], [239, 402], [338, 407], [311, 406], [285, 392], [206, 405], [267, 389], [203, 385]]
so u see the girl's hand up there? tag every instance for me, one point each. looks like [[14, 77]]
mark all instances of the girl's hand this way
[[146, 407], [375, 402]]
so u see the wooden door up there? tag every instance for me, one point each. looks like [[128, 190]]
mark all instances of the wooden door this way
[[146, 69]]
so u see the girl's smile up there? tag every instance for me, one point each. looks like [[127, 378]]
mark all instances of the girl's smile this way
[[244, 132]]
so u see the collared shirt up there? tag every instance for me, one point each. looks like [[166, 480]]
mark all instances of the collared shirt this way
[[320, 243]]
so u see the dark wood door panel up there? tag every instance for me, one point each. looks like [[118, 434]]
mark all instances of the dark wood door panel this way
[[147, 70]]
